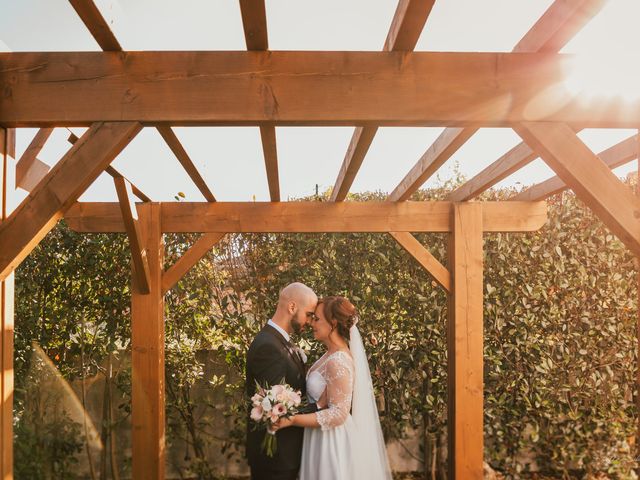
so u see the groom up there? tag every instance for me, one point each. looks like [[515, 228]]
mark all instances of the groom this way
[[272, 357]]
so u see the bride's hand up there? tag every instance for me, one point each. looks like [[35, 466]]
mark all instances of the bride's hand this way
[[282, 423]]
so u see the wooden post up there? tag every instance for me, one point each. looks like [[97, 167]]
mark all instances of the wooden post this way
[[464, 344], [147, 345], [7, 182]]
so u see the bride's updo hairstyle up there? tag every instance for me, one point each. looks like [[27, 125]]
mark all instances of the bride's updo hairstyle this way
[[340, 313]]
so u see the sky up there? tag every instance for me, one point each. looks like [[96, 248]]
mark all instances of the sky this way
[[230, 158]]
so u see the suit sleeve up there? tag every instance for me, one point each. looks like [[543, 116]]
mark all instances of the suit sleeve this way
[[268, 365]]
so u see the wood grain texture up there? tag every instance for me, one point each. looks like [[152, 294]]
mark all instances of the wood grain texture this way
[[562, 20], [310, 217], [147, 357], [254, 23], [132, 227], [615, 156], [465, 390], [188, 260], [413, 247], [296, 88], [7, 310], [97, 25], [270, 150], [588, 176], [59, 190]]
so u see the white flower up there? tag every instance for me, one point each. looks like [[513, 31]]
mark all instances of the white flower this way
[[302, 354], [266, 404]]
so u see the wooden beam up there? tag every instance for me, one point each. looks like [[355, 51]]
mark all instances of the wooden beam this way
[[71, 176], [297, 88], [562, 20], [115, 173], [270, 150], [588, 176], [447, 143], [407, 24], [465, 345], [510, 162], [132, 226], [358, 147], [29, 169], [7, 311], [405, 30], [439, 272], [613, 157], [147, 357], [188, 260], [254, 22], [95, 22], [310, 217], [136, 191], [183, 157]]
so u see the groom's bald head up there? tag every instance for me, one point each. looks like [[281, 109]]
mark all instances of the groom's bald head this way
[[294, 303], [296, 292]]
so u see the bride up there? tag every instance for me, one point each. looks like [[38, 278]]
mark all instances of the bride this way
[[344, 440]]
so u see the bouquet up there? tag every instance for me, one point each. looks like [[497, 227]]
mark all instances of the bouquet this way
[[271, 404]]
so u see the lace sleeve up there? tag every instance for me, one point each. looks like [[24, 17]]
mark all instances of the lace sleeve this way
[[339, 377]]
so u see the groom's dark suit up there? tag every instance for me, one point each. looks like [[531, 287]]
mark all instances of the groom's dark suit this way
[[270, 359]]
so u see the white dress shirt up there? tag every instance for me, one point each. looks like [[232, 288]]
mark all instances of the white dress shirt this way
[[280, 329]]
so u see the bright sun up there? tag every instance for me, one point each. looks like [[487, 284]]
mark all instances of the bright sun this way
[[605, 75]]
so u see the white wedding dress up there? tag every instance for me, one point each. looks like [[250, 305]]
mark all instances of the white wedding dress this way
[[349, 443]]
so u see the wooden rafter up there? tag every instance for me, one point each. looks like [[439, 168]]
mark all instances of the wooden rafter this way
[[405, 30], [132, 227], [588, 176], [136, 191], [310, 217], [59, 190], [188, 260], [254, 22], [115, 173], [296, 88], [613, 157], [29, 169], [562, 20], [97, 25], [95, 22], [439, 272], [270, 149], [510, 162], [181, 154]]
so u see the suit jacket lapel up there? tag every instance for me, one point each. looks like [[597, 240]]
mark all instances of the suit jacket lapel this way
[[296, 358]]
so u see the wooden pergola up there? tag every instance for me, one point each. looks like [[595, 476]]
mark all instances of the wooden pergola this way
[[117, 93]]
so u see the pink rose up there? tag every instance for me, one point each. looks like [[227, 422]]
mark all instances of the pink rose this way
[[256, 400], [256, 413], [274, 418], [294, 397], [279, 410], [277, 390]]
